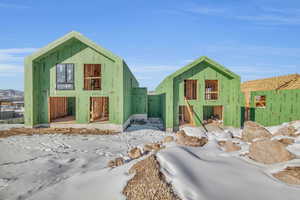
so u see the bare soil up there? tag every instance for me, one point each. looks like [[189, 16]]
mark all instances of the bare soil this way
[[290, 175], [32, 131], [148, 182]]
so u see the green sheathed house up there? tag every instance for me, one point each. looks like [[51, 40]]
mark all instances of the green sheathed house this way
[[74, 82], [200, 91], [272, 101]]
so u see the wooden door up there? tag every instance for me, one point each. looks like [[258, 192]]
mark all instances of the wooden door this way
[[99, 109]]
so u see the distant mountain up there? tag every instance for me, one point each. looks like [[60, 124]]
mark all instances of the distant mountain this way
[[11, 94]]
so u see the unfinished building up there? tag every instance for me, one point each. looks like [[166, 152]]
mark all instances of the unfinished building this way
[[75, 82], [272, 101], [199, 92]]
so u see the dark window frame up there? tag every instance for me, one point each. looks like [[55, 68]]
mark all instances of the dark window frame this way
[[66, 76]]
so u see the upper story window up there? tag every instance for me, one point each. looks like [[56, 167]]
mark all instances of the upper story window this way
[[211, 90], [65, 76], [260, 101], [190, 89], [92, 77]]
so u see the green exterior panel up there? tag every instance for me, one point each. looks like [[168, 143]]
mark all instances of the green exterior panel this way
[[117, 80], [281, 106], [202, 69], [139, 101], [154, 106]]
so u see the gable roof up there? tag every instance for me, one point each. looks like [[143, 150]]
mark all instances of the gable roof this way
[[287, 82], [81, 38], [202, 59]]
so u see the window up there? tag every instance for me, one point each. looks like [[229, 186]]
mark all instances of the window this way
[[260, 101], [190, 89], [185, 115], [92, 76], [211, 89], [65, 76]]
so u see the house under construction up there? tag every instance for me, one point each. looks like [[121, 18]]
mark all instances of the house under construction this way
[[272, 101]]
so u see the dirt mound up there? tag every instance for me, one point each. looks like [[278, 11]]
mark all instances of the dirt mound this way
[[269, 152], [32, 131], [184, 139], [148, 182], [287, 131], [229, 146], [290, 175], [253, 131]]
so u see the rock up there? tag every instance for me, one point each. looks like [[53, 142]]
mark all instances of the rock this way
[[286, 141], [287, 131], [253, 131], [168, 139], [290, 175], [135, 153], [230, 146], [152, 146], [183, 139], [116, 162], [269, 152]]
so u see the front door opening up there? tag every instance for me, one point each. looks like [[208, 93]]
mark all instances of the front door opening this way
[[212, 114], [62, 109], [185, 115], [99, 109]]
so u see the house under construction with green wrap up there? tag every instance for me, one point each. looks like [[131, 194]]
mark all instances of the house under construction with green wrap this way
[[198, 92], [75, 82]]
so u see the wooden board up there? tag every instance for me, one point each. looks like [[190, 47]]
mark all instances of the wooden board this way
[[99, 108], [58, 107], [92, 76]]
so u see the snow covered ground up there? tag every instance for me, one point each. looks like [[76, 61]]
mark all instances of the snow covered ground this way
[[38, 166], [62, 167]]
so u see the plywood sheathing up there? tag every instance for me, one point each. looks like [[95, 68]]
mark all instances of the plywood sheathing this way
[[287, 82]]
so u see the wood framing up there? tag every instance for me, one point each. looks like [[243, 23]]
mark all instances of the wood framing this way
[[92, 77], [190, 89], [185, 115], [58, 108], [211, 89], [99, 109]]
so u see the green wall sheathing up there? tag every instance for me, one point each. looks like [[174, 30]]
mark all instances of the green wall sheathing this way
[[154, 106], [229, 94], [139, 101], [40, 83], [129, 82], [71, 106], [281, 106]]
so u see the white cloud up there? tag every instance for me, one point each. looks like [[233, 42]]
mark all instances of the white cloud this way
[[17, 50], [206, 10], [9, 68]]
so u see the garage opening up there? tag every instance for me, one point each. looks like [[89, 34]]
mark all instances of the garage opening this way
[[99, 109], [62, 109], [212, 114]]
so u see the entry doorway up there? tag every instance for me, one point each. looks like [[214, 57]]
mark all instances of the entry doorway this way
[[213, 114], [62, 109], [99, 109]]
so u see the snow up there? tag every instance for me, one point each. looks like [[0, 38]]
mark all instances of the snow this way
[[205, 173], [64, 167], [34, 167]]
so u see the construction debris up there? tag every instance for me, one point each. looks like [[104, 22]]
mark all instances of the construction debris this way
[[32, 131], [148, 182], [183, 139]]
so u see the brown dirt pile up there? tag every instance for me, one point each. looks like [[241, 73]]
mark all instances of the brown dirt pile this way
[[148, 182], [290, 175], [32, 131]]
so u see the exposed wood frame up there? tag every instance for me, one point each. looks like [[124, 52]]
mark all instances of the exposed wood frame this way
[[99, 109], [92, 77], [260, 101], [212, 89], [190, 89]]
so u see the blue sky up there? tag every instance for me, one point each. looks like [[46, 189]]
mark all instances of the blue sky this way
[[253, 38]]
